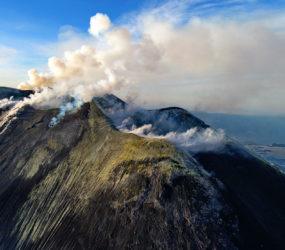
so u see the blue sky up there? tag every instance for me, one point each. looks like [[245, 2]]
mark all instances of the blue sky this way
[[35, 20], [24, 23]]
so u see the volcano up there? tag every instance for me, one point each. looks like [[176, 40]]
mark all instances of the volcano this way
[[84, 184]]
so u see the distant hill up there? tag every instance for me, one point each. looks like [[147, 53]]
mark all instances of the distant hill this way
[[248, 129], [17, 94]]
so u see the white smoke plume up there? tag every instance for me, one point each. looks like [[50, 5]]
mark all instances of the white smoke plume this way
[[44, 98], [110, 63], [11, 107], [215, 64], [5, 103], [193, 140], [167, 124], [66, 108]]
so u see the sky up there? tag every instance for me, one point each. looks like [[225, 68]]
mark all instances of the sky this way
[[26, 25], [216, 56]]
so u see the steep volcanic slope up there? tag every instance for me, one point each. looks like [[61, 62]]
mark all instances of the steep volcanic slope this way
[[254, 188], [84, 185]]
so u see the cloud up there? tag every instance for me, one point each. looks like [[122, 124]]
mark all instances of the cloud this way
[[212, 62], [98, 24]]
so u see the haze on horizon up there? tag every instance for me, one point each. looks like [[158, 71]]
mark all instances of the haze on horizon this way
[[215, 56]]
